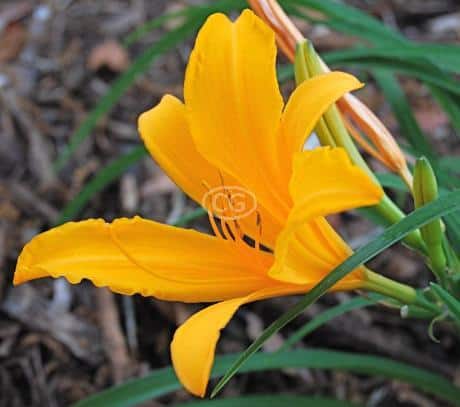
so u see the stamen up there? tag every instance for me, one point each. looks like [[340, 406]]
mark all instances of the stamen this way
[[214, 227], [259, 226], [236, 229], [225, 230]]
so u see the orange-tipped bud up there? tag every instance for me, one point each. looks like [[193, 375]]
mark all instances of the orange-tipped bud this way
[[384, 147], [287, 34]]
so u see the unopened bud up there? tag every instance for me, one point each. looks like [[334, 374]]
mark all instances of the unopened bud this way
[[287, 34], [425, 190]]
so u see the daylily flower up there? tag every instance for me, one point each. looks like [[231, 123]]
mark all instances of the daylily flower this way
[[232, 132]]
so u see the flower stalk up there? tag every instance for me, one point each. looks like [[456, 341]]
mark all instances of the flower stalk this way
[[403, 293]]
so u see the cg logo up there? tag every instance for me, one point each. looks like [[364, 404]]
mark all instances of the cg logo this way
[[229, 202]]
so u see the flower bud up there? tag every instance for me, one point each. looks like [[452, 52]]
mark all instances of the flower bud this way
[[425, 190]]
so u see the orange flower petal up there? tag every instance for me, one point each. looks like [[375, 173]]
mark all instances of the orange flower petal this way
[[165, 132], [234, 104], [194, 343], [307, 104], [140, 256], [324, 182]]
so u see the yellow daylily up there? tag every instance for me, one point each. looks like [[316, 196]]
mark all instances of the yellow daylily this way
[[232, 132]]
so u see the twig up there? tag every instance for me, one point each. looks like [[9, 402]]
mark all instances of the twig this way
[[113, 338]]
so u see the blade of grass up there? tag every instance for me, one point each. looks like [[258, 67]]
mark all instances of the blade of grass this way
[[391, 43], [447, 58], [415, 69], [347, 19], [450, 163], [270, 400], [163, 381], [389, 180], [442, 206], [450, 104], [353, 19]]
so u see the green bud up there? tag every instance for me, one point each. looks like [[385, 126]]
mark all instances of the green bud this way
[[425, 190], [425, 185]]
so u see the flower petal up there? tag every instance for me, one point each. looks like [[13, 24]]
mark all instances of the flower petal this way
[[324, 182], [194, 342], [234, 104], [140, 256], [307, 104], [166, 134]]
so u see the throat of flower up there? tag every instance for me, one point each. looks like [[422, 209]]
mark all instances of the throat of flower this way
[[227, 226]]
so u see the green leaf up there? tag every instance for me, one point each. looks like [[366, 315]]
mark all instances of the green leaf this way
[[390, 180], [442, 206], [422, 71], [388, 42], [349, 20], [450, 163], [449, 103], [447, 58], [346, 18], [163, 381], [326, 316], [271, 400], [452, 304]]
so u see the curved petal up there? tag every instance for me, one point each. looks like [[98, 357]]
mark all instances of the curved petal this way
[[307, 104], [194, 342], [324, 181], [140, 256], [165, 132], [234, 104]]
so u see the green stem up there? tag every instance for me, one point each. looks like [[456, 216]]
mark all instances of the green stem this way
[[405, 294]]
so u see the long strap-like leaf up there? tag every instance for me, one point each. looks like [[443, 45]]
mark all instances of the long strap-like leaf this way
[[163, 381]]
